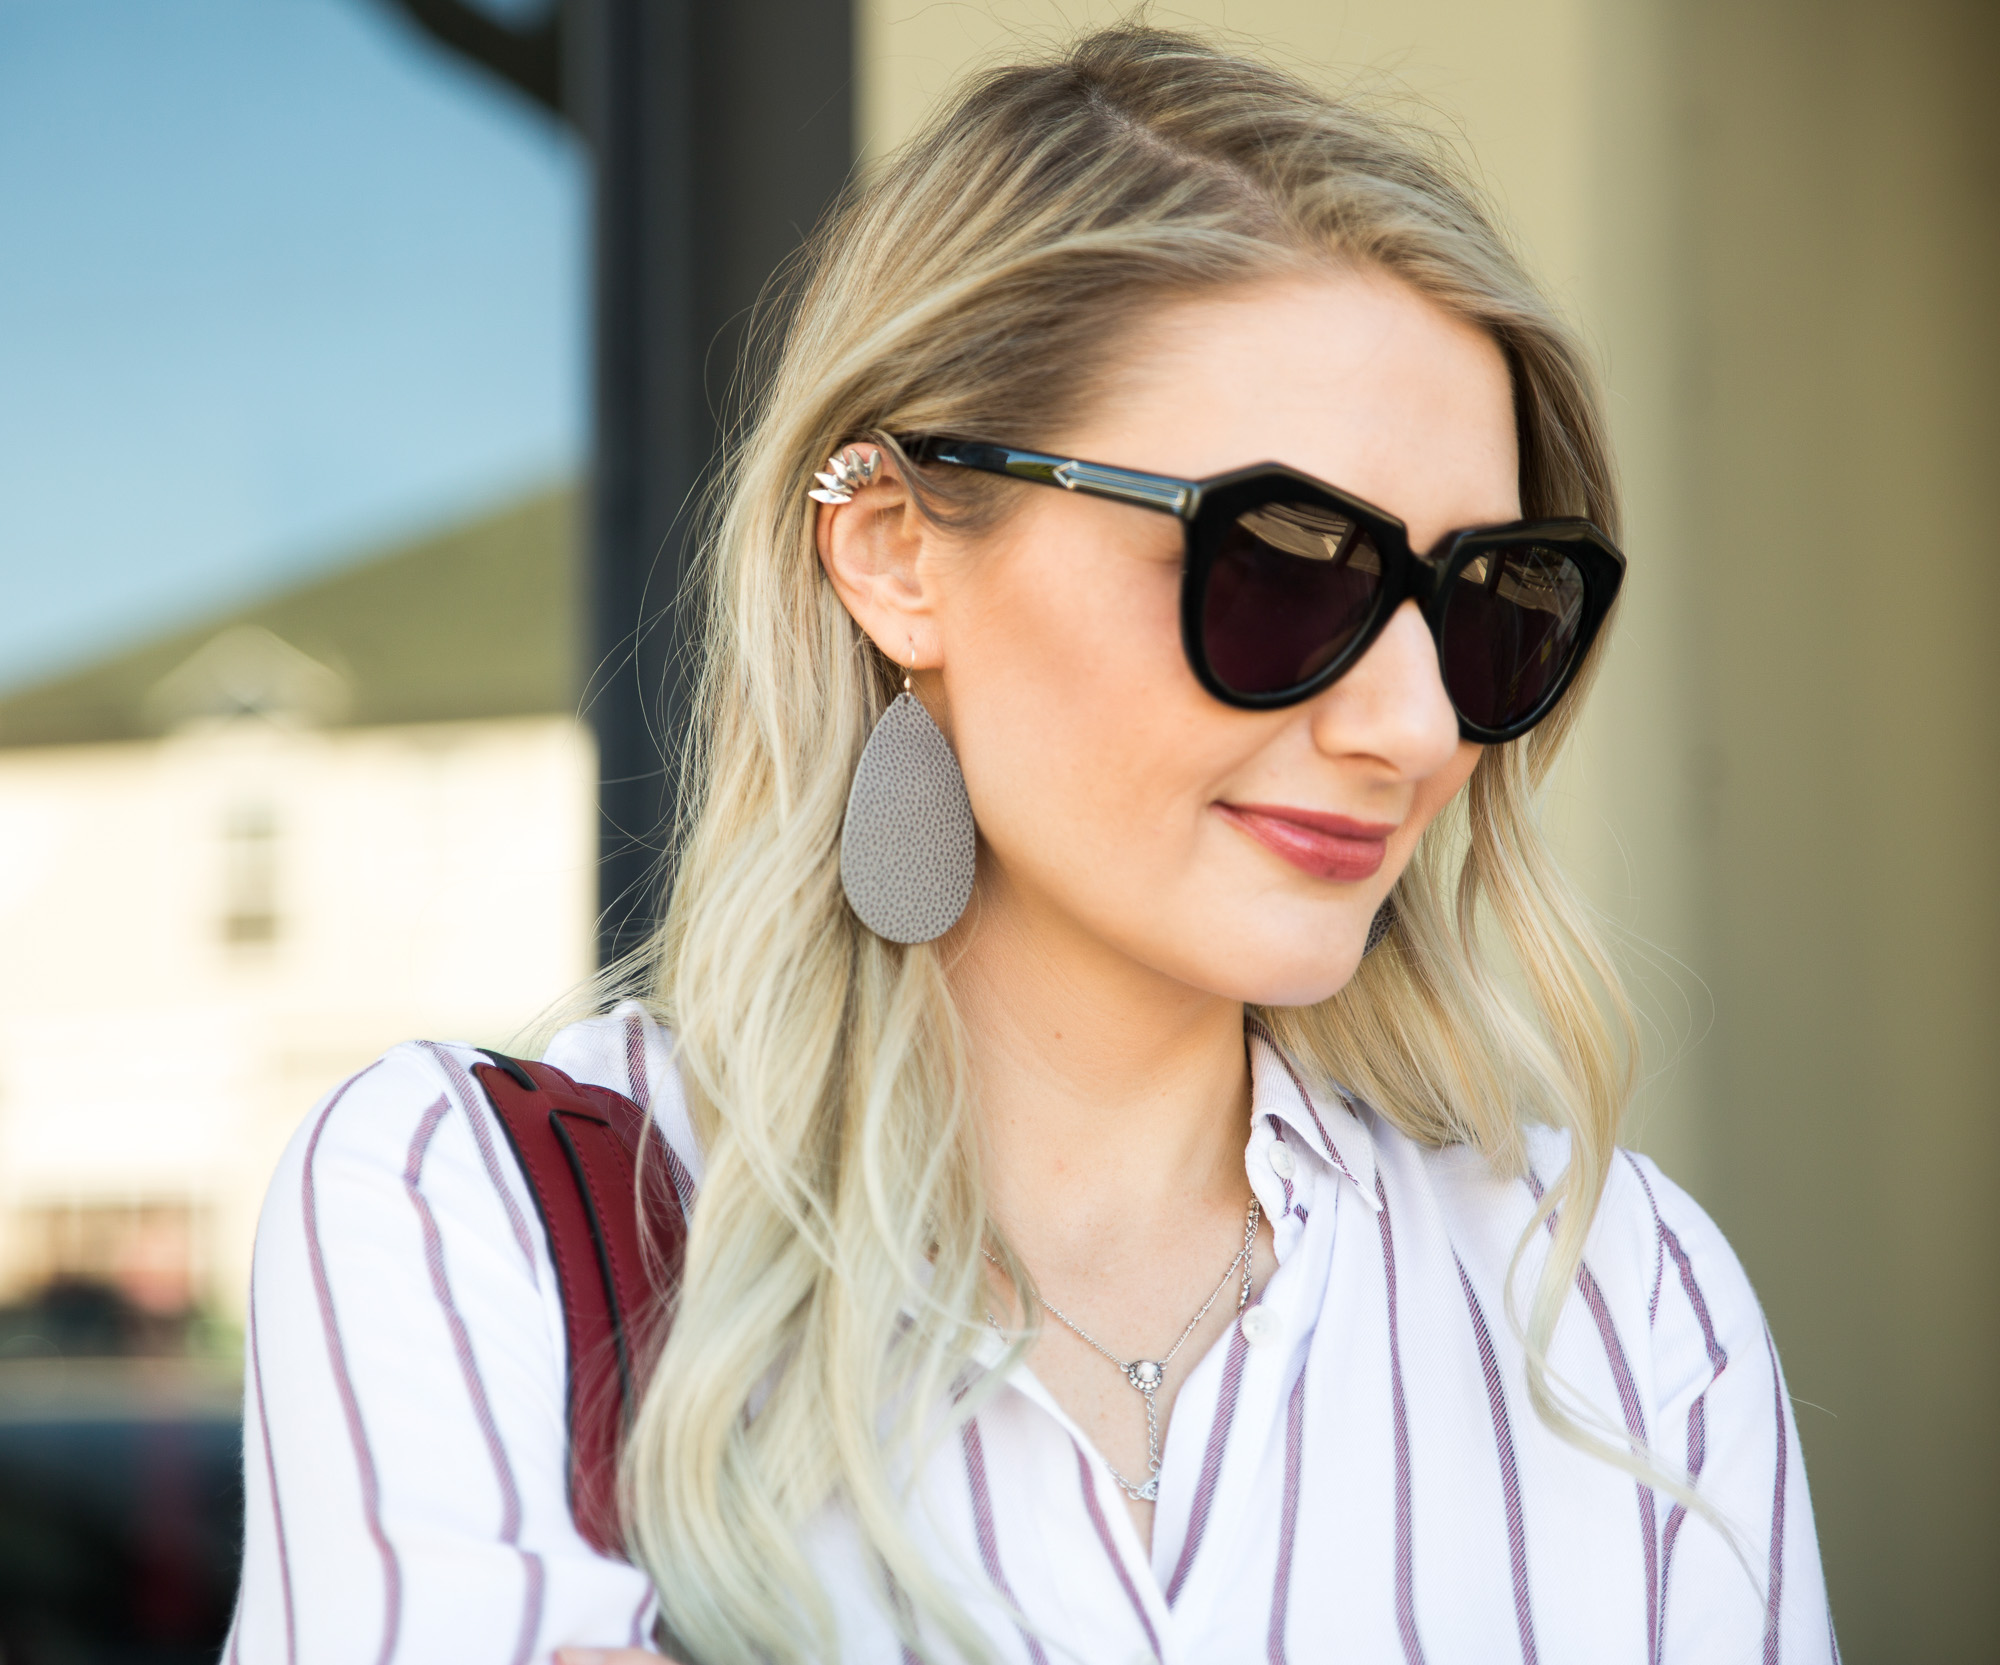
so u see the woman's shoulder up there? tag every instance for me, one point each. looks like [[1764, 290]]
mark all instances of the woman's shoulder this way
[[1654, 1259], [407, 1142], [1699, 1306], [373, 1115], [407, 1369], [1657, 1251], [402, 1180], [404, 1174]]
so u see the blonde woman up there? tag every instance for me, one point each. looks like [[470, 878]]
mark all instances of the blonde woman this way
[[1150, 1111]]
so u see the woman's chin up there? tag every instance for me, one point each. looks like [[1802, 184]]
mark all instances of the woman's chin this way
[[1274, 978], [1300, 993]]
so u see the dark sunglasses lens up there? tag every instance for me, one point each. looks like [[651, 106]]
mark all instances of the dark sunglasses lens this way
[[1513, 622], [1292, 587]]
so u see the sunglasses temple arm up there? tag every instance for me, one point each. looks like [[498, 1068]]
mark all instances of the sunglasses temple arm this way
[[1158, 492]]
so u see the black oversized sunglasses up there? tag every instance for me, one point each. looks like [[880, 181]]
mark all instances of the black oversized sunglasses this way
[[1286, 582]]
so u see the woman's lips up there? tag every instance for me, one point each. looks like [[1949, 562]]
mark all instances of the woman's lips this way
[[1326, 846]]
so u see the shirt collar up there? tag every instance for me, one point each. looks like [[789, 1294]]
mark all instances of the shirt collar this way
[[1329, 1122]]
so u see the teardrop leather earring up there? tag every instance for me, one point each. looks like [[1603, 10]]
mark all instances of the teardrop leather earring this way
[[906, 843]]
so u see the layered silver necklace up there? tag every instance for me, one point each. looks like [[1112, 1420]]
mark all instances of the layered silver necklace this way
[[1147, 1374]]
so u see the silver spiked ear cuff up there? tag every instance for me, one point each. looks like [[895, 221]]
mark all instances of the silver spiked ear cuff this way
[[846, 472]]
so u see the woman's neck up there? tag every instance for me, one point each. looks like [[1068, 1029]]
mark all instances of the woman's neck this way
[[1109, 1097]]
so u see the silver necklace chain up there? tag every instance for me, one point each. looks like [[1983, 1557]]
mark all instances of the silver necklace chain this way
[[1147, 1374]]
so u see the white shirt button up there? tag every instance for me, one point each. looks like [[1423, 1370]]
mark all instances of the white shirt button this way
[[1261, 1326], [1283, 1163]]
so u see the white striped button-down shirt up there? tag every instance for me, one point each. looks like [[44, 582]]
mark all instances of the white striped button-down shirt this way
[[1354, 1474]]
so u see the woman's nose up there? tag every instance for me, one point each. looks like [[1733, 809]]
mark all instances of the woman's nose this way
[[1392, 704]]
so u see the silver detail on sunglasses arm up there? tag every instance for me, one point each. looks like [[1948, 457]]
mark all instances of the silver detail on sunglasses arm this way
[[1146, 490]]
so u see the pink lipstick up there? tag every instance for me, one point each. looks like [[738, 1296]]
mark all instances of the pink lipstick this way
[[1325, 846]]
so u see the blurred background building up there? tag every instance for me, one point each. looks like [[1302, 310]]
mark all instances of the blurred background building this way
[[325, 611], [361, 803]]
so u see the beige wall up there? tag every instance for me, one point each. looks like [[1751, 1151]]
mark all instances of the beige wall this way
[[1844, 441], [1777, 222]]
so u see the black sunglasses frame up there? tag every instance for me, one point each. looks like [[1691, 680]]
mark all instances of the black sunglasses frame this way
[[1208, 508]]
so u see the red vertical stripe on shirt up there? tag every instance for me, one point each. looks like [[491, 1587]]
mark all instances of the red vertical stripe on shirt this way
[[1635, 1430], [1406, 1572], [638, 1088], [1288, 1521], [475, 1385], [1211, 1461], [639, 1620], [271, 1474], [364, 1457], [985, 1530], [1773, 1605], [1110, 1544], [1510, 1478], [473, 1102], [1718, 1361]]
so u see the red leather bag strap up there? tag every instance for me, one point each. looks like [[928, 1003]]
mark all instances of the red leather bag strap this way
[[579, 1148]]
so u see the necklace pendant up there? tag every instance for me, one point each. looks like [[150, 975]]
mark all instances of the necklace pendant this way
[[1144, 1374], [1149, 1492]]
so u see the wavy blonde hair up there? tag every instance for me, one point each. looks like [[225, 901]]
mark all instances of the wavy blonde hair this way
[[980, 282]]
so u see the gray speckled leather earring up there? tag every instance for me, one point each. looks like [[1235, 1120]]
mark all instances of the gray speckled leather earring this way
[[906, 845], [1380, 926]]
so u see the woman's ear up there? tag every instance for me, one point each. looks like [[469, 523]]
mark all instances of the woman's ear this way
[[873, 548]]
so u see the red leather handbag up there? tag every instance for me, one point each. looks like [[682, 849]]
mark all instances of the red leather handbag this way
[[598, 1169]]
